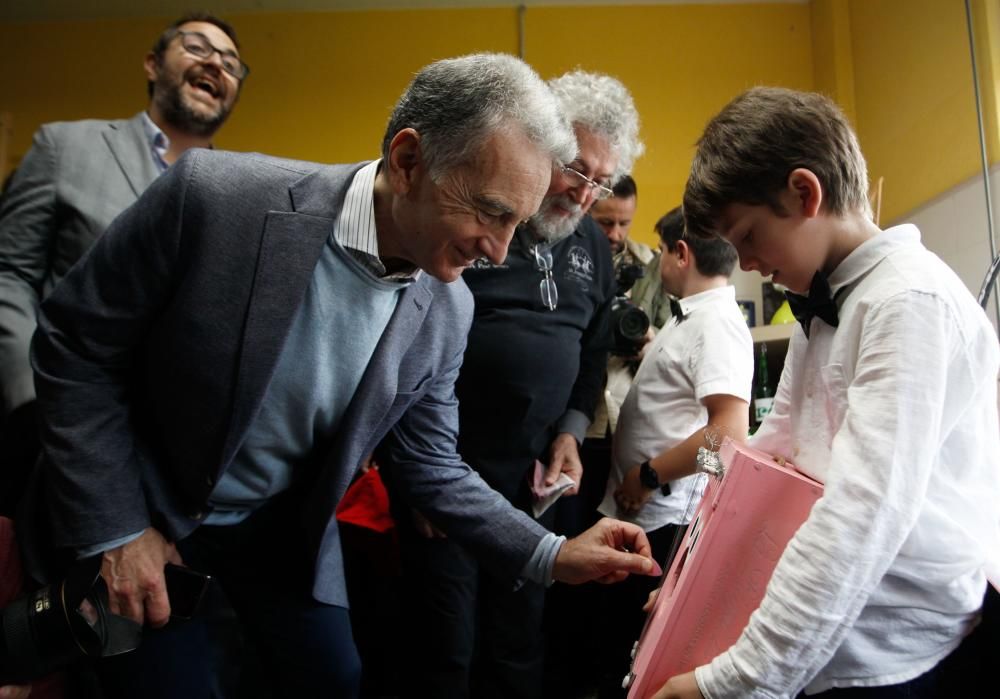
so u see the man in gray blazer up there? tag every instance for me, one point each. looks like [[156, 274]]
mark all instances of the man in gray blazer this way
[[77, 177], [212, 374]]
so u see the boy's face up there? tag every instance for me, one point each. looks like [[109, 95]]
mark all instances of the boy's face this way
[[669, 270], [788, 248]]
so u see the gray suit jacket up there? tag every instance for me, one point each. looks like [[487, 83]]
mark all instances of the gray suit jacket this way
[[72, 183], [153, 356]]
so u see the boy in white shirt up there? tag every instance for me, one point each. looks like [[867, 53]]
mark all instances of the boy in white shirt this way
[[888, 396], [695, 375]]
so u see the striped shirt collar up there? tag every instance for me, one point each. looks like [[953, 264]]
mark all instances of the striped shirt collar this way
[[355, 228], [158, 142]]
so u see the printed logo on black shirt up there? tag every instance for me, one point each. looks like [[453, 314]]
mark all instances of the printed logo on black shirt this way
[[579, 265], [484, 263]]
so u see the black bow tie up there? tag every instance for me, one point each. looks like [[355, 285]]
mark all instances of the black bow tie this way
[[818, 304], [675, 309]]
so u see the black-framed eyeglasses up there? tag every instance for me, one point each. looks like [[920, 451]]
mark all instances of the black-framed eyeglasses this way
[[547, 287], [197, 44], [579, 179]]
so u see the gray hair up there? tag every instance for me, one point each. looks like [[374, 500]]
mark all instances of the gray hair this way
[[455, 104], [601, 104]]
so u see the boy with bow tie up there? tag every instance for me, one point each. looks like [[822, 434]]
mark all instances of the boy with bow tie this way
[[693, 384], [890, 401]]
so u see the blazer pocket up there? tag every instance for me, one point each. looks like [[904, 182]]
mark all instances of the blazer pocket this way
[[406, 398]]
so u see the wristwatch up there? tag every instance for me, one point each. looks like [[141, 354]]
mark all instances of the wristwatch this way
[[648, 477], [651, 480]]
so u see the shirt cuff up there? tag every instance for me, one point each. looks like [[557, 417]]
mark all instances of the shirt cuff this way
[[539, 566], [721, 679], [574, 422], [95, 549]]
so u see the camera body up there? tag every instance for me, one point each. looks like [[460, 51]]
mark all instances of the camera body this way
[[629, 323]]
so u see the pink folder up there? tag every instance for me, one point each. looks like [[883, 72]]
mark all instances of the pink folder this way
[[723, 565]]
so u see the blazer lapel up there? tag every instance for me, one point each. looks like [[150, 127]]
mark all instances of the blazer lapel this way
[[130, 148], [290, 246], [361, 428], [379, 385]]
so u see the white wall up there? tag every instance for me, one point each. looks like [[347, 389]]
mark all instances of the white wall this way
[[954, 226]]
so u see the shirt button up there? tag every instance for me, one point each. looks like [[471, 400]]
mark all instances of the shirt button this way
[[209, 481], [198, 516]]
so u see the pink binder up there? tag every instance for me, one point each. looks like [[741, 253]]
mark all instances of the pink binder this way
[[723, 565]]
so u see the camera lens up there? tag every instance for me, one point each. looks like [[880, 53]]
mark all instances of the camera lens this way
[[52, 627]]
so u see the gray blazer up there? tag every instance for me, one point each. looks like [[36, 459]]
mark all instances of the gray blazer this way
[[71, 184], [153, 356]]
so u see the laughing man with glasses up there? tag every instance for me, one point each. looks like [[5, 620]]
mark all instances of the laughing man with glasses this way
[[530, 379], [78, 176]]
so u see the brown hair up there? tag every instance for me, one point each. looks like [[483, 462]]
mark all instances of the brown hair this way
[[752, 145]]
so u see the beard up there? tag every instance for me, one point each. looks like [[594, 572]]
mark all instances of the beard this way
[[180, 114], [552, 226]]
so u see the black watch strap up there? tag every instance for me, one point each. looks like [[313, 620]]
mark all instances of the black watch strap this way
[[650, 479]]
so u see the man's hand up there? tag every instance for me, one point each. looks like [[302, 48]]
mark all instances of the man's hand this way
[[680, 687], [631, 495], [425, 528], [564, 457], [607, 553], [15, 691], [134, 576]]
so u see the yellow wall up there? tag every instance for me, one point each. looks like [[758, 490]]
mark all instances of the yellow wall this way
[[315, 93], [899, 68], [832, 54], [682, 64], [914, 94]]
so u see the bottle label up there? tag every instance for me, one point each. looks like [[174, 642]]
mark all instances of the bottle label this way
[[761, 407]]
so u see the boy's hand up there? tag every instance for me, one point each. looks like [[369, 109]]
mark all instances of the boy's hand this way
[[631, 495], [680, 687]]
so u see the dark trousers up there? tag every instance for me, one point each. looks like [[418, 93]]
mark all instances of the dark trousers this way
[[468, 633], [295, 646], [620, 614], [19, 448], [573, 644]]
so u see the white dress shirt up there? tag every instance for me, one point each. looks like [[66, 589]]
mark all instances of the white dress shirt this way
[[895, 411], [708, 353]]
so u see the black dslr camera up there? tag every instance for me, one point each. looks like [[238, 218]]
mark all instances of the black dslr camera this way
[[50, 628], [629, 323]]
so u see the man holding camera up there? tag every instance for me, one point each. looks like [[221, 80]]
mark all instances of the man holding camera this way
[[637, 274], [532, 373], [211, 377]]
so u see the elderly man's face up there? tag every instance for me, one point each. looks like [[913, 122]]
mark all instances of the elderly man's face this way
[[568, 199], [472, 211]]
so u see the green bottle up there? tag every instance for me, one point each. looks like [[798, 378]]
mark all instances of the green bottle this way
[[763, 397]]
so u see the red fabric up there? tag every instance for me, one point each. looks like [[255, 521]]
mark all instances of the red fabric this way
[[366, 504], [11, 573]]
